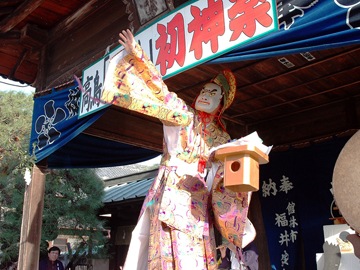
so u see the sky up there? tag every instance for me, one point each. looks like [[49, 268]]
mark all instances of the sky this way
[[7, 85]]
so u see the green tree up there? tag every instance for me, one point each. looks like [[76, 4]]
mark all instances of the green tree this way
[[72, 197], [15, 125]]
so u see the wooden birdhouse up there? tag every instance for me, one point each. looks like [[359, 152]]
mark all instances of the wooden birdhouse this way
[[241, 167]]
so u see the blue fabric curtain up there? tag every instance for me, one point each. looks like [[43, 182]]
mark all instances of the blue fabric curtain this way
[[85, 151], [296, 201], [56, 134], [305, 25]]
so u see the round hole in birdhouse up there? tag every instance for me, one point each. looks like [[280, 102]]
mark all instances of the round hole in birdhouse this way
[[235, 166]]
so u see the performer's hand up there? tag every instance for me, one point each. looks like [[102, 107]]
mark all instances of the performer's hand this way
[[232, 247], [223, 251], [128, 41]]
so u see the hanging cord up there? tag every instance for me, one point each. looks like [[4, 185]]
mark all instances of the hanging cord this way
[[205, 119], [239, 253], [81, 88]]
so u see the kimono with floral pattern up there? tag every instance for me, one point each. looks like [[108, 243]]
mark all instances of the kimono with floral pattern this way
[[183, 204]]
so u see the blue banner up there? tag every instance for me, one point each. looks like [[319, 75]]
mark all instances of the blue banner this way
[[296, 202], [305, 25], [56, 135]]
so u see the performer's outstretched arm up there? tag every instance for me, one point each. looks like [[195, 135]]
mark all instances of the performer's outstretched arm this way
[[146, 68], [133, 82], [127, 40]]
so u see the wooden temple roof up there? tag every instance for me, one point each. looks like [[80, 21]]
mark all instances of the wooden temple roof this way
[[45, 42]]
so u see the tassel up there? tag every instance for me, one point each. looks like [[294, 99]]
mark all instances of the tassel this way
[[201, 165]]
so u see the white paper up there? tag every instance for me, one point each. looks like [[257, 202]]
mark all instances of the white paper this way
[[251, 139]]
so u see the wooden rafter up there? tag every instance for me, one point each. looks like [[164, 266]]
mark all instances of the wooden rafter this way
[[10, 36], [310, 108], [33, 36], [9, 1], [6, 10], [24, 10], [75, 18], [302, 98], [294, 71], [341, 72], [18, 63]]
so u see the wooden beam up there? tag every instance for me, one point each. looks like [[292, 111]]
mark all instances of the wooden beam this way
[[42, 71], [290, 72], [274, 93], [11, 35], [319, 106], [75, 18], [10, 1], [82, 47], [6, 10], [33, 36], [24, 10], [30, 236], [18, 63], [297, 99], [309, 125]]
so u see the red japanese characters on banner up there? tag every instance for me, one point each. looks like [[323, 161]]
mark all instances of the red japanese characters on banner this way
[[245, 13], [167, 51], [208, 24], [205, 29], [196, 33]]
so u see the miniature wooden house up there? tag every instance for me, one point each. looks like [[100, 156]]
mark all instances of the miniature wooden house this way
[[241, 167]]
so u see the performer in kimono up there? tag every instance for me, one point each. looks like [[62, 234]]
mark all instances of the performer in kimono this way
[[187, 198]]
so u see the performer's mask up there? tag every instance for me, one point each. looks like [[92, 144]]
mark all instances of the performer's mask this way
[[209, 98]]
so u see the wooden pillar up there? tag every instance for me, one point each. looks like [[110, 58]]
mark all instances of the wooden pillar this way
[[30, 236]]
